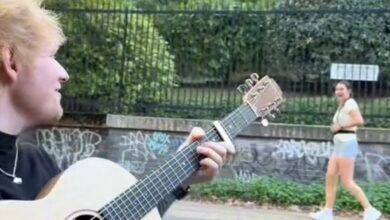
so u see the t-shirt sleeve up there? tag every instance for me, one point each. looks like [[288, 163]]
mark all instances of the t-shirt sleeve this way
[[351, 105]]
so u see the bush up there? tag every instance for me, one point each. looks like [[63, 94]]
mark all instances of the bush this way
[[213, 45], [111, 57], [286, 193], [305, 44], [204, 4]]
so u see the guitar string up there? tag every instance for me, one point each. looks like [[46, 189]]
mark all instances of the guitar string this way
[[185, 171], [184, 151], [212, 130]]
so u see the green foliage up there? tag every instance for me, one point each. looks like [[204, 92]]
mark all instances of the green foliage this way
[[212, 103], [204, 4], [213, 45], [127, 60], [286, 193], [306, 44], [219, 45], [111, 57]]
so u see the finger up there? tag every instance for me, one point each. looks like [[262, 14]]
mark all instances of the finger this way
[[229, 158], [209, 164], [220, 148], [196, 134], [211, 153]]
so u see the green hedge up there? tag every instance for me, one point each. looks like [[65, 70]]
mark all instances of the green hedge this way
[[286, 193], [295, 46], [106, 66], [305, 44], [213, 45], [113, 57], [204, 4], [208, 103]]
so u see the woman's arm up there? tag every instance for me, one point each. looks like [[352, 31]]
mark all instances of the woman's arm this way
[[356, 119]]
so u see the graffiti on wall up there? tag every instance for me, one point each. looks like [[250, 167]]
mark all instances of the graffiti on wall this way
[[300, 161], [141, 152], [66, 145]]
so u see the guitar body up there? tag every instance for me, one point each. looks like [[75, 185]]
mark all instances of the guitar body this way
[[78, 194], [92, 185]]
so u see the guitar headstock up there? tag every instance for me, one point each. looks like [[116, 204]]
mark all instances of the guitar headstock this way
[[264, 95]]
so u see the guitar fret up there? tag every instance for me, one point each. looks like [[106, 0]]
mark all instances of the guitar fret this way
[[169, 181], [213, 136], [228, 132], [232, 126], [232, 122], [139, 203], [127, 210], [246, 120], [157, 190], [145, 195], [129, 199], [114, 215], [150, 193], [162, 183], [109, 213], [243, 123], [181, 167]]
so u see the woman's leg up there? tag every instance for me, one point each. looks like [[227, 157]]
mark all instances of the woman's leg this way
[[332, 175], [330, 191], [346, 169], [346, 173]]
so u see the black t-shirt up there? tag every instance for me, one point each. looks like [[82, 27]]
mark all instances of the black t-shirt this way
[[34, 166]]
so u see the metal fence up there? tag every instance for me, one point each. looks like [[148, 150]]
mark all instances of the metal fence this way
[[188, 63]]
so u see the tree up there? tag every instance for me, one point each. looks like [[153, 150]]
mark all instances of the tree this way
[[110, 54]]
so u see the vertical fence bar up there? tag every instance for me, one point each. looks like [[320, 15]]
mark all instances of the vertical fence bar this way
[[122, 89], [216, 95]]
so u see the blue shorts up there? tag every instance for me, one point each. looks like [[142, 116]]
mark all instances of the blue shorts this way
[[348, 149]]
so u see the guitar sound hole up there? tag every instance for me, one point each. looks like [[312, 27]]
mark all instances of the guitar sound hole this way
[[87, 217]]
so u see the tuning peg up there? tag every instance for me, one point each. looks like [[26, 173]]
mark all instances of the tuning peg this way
[[264, 122], [276, 111], [242, 89], [265, 83], [255, 77], [249, 83]]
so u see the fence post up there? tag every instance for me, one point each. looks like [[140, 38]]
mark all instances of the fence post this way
[[122, 88]]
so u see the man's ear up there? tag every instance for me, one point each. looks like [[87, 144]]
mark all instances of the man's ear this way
[[9, 66]]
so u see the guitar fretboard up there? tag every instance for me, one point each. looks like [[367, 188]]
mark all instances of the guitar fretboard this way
[[143, 196]]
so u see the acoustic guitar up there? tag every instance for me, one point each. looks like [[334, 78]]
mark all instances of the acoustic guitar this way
[[98, 189]]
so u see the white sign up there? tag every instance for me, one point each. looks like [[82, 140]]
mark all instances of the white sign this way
[[359, 72]]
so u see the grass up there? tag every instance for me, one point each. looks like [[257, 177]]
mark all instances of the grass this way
[[286, 193]]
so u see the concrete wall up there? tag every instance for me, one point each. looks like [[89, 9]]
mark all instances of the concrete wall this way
[[140, 144]]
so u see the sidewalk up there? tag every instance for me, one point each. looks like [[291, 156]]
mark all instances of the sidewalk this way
[[188, 210]]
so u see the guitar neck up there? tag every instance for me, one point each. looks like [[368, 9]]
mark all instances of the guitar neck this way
[[147, 193]]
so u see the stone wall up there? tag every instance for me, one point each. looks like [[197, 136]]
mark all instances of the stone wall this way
[[140, 144]]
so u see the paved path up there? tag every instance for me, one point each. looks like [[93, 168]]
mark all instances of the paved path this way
[[188, 210]]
